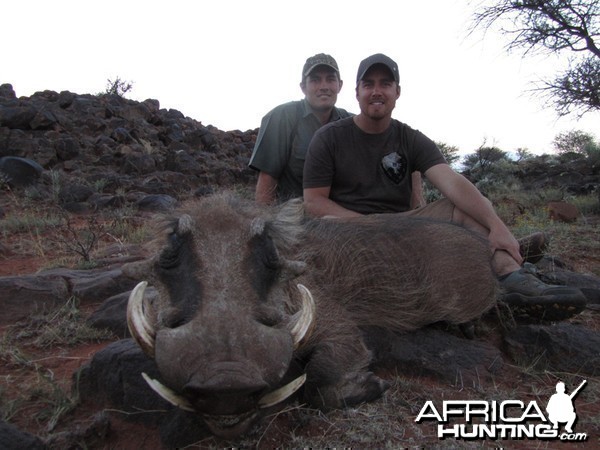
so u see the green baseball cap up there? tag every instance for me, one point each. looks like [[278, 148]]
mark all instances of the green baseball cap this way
[[320, 59]]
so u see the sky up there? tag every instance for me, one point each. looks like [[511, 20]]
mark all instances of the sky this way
[[226, 63]]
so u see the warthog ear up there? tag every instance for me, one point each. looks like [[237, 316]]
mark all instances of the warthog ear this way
[[257, 227], [286, 227], [185, 224]]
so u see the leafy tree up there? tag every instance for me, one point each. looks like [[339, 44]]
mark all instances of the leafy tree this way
[[576, 89], [491, 170], [118, 87], [483, 159], [450, 152], [523, 154], [576, 141], [554, 26]]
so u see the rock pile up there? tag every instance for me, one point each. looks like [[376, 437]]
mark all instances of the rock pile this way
[[96, 146]]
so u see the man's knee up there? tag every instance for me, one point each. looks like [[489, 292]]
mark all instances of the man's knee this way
[[442, 209]]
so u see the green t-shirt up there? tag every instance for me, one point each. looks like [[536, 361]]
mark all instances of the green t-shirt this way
[[369, 173], [282, 141]]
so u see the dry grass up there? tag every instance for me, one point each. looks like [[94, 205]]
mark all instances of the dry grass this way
[[58, 238], [577, 244], [31, 392]]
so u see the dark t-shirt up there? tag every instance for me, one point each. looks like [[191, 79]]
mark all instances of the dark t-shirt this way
[[368, 173]]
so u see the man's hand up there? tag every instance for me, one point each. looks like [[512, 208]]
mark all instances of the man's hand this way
[[266, 188], [318, 204], [501, 238]]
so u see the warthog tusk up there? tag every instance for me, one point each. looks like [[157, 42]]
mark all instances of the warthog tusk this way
[[137, 322], [303, 319], [272, 398], [168, 394], [279, 395]]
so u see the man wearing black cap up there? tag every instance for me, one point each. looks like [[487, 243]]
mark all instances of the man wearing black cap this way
[[286, 131], [362, 165]]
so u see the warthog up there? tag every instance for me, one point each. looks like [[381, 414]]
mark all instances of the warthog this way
[[253, 303]]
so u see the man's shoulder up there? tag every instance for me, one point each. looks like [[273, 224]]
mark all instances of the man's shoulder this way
[[342, 113], [334, 131], [285, 115], [341, 124], [402, 126], [291, 107], [408, 132]]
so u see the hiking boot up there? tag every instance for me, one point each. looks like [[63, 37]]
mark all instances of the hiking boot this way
[[527, 295], [533, 246]]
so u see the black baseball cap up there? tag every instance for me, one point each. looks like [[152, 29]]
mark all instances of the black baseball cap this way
[[320, 59], [378, 58]]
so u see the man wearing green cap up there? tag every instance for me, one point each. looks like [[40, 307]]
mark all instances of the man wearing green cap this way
[[286, 131], [362, 165]]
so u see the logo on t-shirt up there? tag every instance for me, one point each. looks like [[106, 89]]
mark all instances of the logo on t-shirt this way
[[394, 166]]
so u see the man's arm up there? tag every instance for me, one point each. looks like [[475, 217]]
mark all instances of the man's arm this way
[[318, 204], [416, 198], [272, 150], [266, 187], [473, 204]]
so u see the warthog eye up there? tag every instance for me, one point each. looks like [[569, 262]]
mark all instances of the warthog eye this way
[[169, 258], [267, 257], [176, 269], [263, 263], [271, 261]]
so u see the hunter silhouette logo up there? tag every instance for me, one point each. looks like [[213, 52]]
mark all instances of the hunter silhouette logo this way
[[508, 419], [560, 407]]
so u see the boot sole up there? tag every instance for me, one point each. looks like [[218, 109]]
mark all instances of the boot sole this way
[[549, 307]]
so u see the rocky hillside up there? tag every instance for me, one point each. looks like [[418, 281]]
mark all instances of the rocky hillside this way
[[109, 145]]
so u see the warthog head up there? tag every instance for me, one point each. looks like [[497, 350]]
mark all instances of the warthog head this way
[[226, 321], [252, 303]]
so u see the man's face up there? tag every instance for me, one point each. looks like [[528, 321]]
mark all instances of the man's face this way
[[377, 93], [321, 88]]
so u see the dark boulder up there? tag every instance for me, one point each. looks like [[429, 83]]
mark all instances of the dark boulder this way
[[12, 438], [22, 296], [18, 171], [436, 353], [114, 375], [112, 315], [157, 203], [563, 347]]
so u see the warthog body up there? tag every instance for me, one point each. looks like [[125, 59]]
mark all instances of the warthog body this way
[[224, 328]]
